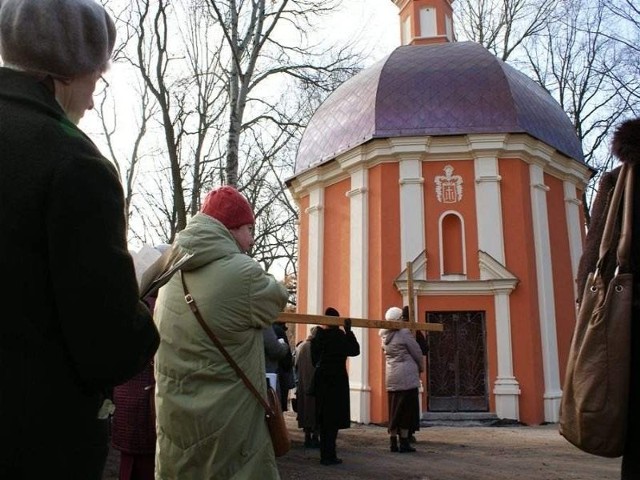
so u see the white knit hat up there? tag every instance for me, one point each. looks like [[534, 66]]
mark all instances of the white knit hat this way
[[393, 314], [62, 38]]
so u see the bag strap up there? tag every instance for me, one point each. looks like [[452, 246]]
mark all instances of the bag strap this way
[[623, 189], [624, 245], [194, 308]]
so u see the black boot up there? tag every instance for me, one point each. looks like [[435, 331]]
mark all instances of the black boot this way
[[307, 440], [405, 446], [393, 443], [328, 447]]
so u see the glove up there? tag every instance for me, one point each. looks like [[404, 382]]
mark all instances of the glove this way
[[347, 325]]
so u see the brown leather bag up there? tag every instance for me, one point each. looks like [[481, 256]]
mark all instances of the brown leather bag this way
[[277, 425], [273, 411], [594, 405]]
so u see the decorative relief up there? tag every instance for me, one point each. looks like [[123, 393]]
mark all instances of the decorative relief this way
[[448, 186]]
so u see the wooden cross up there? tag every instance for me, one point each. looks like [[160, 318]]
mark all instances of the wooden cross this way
[[365, 322], [356, 322]]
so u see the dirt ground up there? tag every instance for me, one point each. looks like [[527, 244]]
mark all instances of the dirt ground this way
[[444, 453]]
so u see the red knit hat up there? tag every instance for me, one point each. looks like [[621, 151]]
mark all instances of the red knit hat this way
[[228, 206]]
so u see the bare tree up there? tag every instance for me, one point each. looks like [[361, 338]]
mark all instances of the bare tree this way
[[127, 167], [231, 86], [627, 35], [502, 25], [258, 54], [181, 77], [579, 64]]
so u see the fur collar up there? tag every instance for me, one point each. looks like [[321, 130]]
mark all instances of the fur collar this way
[[626, 142]]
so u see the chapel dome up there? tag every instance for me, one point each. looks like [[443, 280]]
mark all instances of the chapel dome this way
[[443, 89]]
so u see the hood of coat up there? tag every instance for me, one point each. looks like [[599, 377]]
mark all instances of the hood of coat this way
[[387, 335], [626, 142], [207, 239]]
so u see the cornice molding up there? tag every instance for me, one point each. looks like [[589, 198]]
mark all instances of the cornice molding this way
[[519, 146]]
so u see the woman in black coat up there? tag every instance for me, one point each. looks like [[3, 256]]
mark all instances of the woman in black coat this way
[[625, 146], [73, 326], [329, 351]]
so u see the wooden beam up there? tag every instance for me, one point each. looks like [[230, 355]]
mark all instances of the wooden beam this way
[[356, 322]]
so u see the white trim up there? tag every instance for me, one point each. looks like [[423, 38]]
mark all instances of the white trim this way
[[489, 207], [572, 207], [464, 247], [452, 277], [437, 288], [506, 387], [360, 390], [316, 251], [448, 28], [546, 296], [428, 21], [496, 279], [412, 240], [419, 267]]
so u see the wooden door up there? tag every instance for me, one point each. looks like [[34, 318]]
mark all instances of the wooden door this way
[[457, 372]]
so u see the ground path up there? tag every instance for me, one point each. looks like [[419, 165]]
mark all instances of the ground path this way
[[444, 453]]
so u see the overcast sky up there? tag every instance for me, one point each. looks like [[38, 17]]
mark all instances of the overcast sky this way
[[375, 21]]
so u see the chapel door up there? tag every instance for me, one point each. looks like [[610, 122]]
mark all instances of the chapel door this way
[[457, 371]]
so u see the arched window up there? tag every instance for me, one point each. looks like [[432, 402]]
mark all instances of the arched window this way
[[452, 248]]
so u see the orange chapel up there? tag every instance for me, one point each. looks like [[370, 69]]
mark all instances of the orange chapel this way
[[444, 158]]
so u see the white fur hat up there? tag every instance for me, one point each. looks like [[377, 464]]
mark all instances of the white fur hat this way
[[61, 38], [393, 314]]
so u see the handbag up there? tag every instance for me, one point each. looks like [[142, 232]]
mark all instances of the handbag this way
[[273, 411], [594, 404]]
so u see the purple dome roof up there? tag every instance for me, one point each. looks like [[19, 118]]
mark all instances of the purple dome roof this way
[[444, 89]]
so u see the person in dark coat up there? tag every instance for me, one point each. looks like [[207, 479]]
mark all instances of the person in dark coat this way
[[329, 351], [133, 424], [73, 326], [275, 350], [285, 366], [625, 146], [306, 400]]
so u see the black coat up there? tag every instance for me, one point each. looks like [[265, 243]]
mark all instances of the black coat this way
[[72, 326], [329, 351]]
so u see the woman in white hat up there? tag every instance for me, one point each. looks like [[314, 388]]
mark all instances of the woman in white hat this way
[[402, 375]]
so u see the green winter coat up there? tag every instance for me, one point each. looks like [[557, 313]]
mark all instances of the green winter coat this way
[[209, 424]]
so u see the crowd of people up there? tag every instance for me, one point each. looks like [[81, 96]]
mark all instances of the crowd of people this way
[[90, 344]]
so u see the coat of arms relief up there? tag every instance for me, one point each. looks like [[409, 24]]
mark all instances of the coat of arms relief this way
[[448, 186]]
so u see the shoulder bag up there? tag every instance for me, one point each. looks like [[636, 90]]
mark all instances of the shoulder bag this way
[[273, 411], [594, 405]]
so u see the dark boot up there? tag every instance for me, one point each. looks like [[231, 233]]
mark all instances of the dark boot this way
[[315, 440], [328, 447], [308, 442], [393, 443], [405, 446]]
